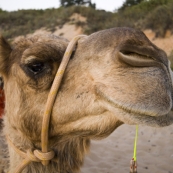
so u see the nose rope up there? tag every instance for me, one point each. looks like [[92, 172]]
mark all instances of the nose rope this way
[[44, 156], [53, 93]]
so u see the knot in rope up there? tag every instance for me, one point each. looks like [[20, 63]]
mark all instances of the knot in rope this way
[[39, 156]]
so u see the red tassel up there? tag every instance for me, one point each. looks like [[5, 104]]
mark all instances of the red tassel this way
[[133, 166]]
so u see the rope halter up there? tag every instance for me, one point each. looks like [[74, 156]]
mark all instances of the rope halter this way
[[44, 156]]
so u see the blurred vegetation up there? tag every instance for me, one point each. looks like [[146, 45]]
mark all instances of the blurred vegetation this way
[[144, 14], [68, 3], [129, 3]]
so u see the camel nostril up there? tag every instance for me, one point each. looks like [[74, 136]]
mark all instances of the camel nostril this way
[[136, 60]]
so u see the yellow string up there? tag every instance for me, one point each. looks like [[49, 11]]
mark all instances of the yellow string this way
[[135, 144]]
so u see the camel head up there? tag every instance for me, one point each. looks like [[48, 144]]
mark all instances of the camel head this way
[[114, 76]]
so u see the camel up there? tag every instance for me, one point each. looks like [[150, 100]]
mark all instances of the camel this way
[[114, 76]]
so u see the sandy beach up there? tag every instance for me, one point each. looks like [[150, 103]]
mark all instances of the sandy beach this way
[[113, 154]]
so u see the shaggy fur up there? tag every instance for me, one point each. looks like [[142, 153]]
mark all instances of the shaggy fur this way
[[114, 76]]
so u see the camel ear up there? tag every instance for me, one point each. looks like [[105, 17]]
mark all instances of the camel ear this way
[[5, 50]]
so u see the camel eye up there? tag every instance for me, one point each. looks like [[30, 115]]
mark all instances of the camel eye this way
[[36, 67]]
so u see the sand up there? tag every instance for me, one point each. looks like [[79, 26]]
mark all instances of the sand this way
[[113, 154]]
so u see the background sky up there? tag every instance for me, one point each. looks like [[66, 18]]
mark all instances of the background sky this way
[[13, 5]]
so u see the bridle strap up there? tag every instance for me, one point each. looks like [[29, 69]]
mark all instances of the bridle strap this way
[[53, 93], [44, 156]]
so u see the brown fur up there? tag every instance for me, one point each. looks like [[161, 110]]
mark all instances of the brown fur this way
[[115, 76]]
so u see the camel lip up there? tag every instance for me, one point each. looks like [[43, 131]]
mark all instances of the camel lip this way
[[131, 117], [136, 118], [158, 121], [134, 112], [130, 109]]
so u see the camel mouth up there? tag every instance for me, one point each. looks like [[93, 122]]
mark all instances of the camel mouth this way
[[136, 117], [157, 121]]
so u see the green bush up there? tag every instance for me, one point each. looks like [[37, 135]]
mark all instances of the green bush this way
[[153, 14], [160, 20]]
